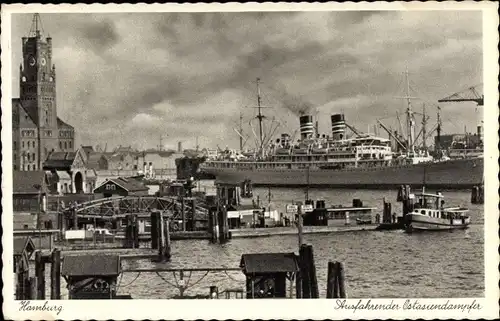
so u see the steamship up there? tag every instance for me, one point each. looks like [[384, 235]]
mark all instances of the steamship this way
[[362, 161]]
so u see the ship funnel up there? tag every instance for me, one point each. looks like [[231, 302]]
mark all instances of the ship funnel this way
[[338, 126], [306, 126]]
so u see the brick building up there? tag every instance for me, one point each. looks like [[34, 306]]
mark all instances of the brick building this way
[[36, 129]]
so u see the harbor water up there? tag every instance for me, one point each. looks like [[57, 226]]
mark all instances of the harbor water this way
[[377, 264]]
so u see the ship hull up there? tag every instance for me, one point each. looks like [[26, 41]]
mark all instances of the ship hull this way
[[419, 223], [452, 174]]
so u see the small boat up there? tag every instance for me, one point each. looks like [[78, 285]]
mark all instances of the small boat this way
[[429, 214]]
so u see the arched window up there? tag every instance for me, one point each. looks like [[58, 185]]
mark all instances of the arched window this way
[[65, 145], [60, 145], [70, 144]]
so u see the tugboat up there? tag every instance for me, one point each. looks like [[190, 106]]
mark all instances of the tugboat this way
[[429, 214]]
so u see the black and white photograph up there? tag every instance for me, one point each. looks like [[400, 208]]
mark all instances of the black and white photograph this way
[[340, 152]]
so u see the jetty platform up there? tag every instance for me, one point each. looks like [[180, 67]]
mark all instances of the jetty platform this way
[[292, 230]]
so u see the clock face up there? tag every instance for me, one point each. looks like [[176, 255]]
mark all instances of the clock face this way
[[43, 61], [31, 61]]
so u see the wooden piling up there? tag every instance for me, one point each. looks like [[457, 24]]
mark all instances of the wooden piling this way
[[128, 233], [33, 289], [341, 280], [136, 232], [167, 253], [161, 238], [55, 275], [215, 232], [154, 230], [312, 273], [193, 215], [75, 219], [223, 225], [331, 281], [183, 213], [40, 274], [298, 284], [304, 271], [211, 224], [299, 225]]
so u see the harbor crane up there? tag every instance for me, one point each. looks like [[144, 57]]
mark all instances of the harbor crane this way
[[470, 94]]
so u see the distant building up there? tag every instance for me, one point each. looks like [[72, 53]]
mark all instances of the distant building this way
[[126, 161], [30, 189], [74, 172], [159, 162], [36, 128], [122, 187]]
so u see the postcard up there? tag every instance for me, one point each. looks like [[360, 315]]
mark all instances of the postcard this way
[[159, 160]]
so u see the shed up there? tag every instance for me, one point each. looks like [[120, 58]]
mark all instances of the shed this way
[[91, 276], [267, 273], [121, 186]]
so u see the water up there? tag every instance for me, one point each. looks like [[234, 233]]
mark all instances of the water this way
[[377, 264]]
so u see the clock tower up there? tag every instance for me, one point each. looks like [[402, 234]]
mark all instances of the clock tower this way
[[38, 88]]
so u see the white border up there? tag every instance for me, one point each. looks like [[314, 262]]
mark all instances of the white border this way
[[253, 309]]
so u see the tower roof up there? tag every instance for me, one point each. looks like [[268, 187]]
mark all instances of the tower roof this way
[[36, 24]]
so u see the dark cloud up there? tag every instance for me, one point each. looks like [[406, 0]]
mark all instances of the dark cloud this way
[[99, 35]]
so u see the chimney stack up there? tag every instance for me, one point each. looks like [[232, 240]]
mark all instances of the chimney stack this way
[[306, 126], [338, 126]]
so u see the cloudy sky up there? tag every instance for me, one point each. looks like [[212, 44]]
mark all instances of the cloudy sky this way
[[129, 78]]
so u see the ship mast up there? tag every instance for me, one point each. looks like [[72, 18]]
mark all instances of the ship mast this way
[[409, 114], [424, 129], [260, 117], [438, 147], [241, 131]]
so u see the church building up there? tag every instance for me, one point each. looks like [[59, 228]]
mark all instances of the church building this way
[[36, 129]]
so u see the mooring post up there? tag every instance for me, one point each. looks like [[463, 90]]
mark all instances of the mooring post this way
[[161, 238], [167, 254], [304, 271], [136, 231], [40, 274], [75, 219], [222, 220], [312, 272], [192, 218], [299, 225], [183, 213], [128, 232], [225, 223], [298, 284], [341, 280], [154, 230], [210, 224], [330, 279], [55, 275]]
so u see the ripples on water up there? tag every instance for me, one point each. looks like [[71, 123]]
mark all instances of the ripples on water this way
[[377, 264]]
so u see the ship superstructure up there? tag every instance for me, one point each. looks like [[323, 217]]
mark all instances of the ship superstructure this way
[[333, 159]]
